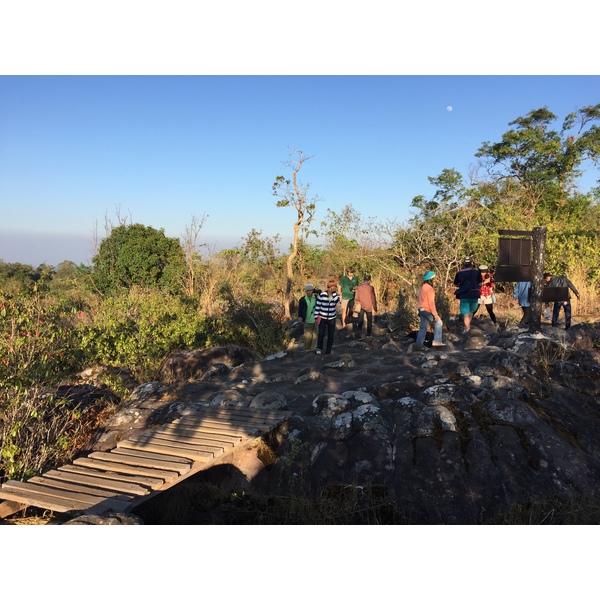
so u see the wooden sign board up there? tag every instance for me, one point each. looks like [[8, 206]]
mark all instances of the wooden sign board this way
[[514, 252], [512, 273]]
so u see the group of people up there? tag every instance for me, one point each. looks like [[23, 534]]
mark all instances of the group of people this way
[[522, 297], [475, 287], [318, 311]]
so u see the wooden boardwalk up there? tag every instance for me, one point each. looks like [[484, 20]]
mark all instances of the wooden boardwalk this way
[[144, 465]]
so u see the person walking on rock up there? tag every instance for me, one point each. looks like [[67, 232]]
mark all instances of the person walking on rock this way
[[365, 295], [521, 297], [487, 296], [428, 312], [468, 282], [561, 281], [326, 315], [306, 315]]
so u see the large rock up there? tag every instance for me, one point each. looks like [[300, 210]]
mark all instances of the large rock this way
[[452, 435]]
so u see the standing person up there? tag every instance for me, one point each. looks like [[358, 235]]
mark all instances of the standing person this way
[[486, 290], [564, 282], [326, 315], [306, 315], [365, 295], [468, 281], [428, 312], [346, 288], [521, 297]]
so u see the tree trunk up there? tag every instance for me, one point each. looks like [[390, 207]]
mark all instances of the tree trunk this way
[[537, 278]]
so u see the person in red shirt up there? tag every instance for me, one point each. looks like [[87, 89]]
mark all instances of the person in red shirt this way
[[428, 312], [487, 296], [364, 294]]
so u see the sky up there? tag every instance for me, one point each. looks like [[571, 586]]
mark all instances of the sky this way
[[183, 114], [77, 150]]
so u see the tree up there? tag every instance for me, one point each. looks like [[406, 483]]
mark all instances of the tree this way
[[138, 255], [293, 193], [545, 163], [190, 249]]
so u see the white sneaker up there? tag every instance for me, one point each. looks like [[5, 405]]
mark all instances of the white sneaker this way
[[317, 351]]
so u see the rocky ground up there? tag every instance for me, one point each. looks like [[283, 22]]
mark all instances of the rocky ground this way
[[495, 419]]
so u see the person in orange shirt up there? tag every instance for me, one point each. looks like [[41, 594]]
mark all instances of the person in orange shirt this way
[[428, 312]]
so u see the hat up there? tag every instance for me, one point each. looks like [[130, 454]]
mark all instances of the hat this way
[[429, 275], [309, 286], [366, 277], [483, 268], [468, 261]]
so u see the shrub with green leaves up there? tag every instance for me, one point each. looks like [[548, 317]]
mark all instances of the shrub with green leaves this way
[[140, 329]]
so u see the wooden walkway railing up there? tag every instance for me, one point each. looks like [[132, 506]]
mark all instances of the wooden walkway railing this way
[[144, 465]]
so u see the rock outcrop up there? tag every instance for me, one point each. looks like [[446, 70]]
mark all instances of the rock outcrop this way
[[450, 434]]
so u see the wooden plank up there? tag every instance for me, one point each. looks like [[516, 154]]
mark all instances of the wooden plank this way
[[221, 429], [198, 432], [32, 499], [235, 418], [137, 461], [8, 507], [98, 482], [154, 455], [208, 438], [79, 501], [514, 232], [241, 423], [193, 452], [75, 487], [197, 445], [103, 465], [242, 410], [192, 442], [151, 482]]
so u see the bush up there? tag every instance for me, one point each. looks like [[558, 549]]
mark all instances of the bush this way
[[140, 329]]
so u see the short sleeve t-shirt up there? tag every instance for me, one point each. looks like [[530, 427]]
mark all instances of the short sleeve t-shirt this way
[[347, 284]]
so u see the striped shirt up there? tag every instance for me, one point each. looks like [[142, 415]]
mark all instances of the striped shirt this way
[[326, 305]]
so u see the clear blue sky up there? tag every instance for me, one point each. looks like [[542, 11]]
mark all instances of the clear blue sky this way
[[161, 148], [185, 109]]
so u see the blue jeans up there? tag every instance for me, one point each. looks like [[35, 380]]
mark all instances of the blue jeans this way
[[426, 318]]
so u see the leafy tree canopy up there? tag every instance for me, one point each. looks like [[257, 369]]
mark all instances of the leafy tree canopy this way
[[138, 255]]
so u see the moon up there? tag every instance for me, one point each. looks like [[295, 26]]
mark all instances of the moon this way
[[449, 108]]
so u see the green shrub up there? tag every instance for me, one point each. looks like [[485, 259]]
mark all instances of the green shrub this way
[[140, 329]]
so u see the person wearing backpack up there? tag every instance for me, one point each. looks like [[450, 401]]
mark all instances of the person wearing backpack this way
[[468, 282], [561, 281]]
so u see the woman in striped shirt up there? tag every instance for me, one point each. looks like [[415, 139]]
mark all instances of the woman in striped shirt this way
[[326, 315]]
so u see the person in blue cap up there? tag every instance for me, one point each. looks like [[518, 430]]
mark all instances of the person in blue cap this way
[[428, 312]]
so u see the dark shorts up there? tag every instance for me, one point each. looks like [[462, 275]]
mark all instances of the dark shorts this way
[[468, 305]]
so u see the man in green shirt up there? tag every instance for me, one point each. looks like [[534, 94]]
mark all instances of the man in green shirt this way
[[346, 291]]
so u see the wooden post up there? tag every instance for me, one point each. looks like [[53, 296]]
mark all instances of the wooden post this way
[[537, 278]]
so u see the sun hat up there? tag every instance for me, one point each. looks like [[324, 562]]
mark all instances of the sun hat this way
[[309, 286], [483, 268], [429, 275]]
